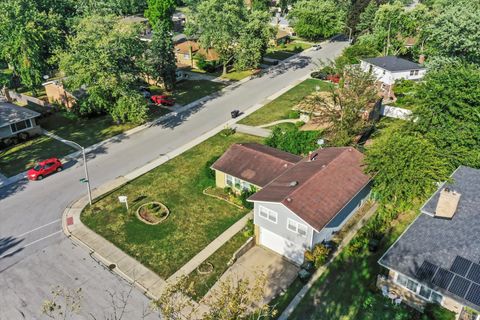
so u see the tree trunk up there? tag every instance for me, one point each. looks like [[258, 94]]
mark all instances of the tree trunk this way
[[224, 72]]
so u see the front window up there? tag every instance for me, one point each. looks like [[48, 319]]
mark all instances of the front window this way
[[436, 297], [21, 125], [296, 227], [424, 292], [229, 180], [414, 72], [268, 214]]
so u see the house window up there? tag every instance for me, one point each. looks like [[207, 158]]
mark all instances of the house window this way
[[296, 227], [229, 180], [268, 214], [407, 283], [186, 56], [436, 297], [21, 125], [424, 292], [414, 72], [245, 185]]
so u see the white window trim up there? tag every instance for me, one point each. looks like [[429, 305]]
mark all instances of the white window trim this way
[[26, 128], [417, 292], [226, 180], [270, 213], [297, 227]]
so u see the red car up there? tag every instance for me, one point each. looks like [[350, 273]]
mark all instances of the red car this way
[[162, 100], [44, 168], [335, 78]]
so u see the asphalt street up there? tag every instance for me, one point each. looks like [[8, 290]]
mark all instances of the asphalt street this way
[[35, 256]]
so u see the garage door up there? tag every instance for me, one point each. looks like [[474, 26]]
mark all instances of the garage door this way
[[281, 245]]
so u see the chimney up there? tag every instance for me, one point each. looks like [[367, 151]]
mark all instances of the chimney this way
[[447, 203], [421, 59]]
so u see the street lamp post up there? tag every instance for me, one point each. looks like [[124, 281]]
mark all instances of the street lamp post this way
[[87, 180], [350, 34]]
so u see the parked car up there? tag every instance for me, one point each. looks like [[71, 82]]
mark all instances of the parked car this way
[[145, 92], [335, 78], [162, 100], [44, 168], [316, 47], [319, 75]]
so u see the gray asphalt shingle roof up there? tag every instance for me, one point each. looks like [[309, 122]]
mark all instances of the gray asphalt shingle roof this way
[[10, 113], [393, 63], [440, 241]]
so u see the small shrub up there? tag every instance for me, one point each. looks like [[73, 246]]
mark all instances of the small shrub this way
[[228, 190], [328, 70], [245, 195], [201, 61], [208, 171], [227, 132], [293, 114], [436, 312], [319, 255], [248, 231], [299, 124]]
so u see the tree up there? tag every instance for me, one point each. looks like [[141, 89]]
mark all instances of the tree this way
[[293, 140], [342, 109], [27, 39], [260, 5], [406, 167], [160, 58], [455, 33], [223, 25], [160, 11], [316, 19], [253, 41], [352, 54], [447, 112], [367, 18], [103, 58]]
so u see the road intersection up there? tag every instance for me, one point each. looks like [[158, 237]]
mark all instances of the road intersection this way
[[34, 253]]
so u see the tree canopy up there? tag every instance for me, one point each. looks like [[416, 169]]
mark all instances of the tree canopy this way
[[102, 57], [317, 19], [160, 12]]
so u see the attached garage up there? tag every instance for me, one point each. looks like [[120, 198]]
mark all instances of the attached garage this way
[[281, 245]]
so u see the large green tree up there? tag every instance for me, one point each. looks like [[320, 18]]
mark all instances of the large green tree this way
[[27, 39], [316, 19], [227, 26], [406, 167], [455, 32], [102, 58], [448, 112], [160, 12]]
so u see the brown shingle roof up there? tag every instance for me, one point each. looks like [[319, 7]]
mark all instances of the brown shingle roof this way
[[255, 163], [317, 190], [184, 47]]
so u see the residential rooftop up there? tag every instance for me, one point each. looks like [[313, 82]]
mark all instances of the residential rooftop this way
[[10, 113], [393, 63], [319, 186], [448, 249]]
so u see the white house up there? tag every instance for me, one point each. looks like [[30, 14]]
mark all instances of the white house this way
[[389, 69]]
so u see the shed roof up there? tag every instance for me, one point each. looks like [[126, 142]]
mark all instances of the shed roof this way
[[255, 163], [10, 113], [440, 241], [393, 63], [317, 190]]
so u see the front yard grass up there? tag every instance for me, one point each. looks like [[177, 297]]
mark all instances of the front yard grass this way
[[195, 219], [237, 75], [23, 156], [286, 51], [280, 107], [190, 90], [203, 282]]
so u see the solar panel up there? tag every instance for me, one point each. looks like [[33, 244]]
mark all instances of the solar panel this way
[[474, 273], [459, 286], [473, 294], [460, 266], [426, 271], [442, 278]]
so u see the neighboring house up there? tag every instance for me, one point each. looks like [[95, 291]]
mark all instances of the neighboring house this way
[[282, 23], [301, 201], [389, 69], [17, 123], [437, 259], [56, 93], [281, 37], [185, 54]]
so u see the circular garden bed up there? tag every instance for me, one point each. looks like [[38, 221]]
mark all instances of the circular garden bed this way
[[205, 268], [152, 213]]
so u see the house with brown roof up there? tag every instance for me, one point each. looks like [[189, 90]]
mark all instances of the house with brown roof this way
[[301, 201], [185, 53]]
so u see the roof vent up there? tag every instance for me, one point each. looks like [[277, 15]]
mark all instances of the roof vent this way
[[289, 199], [293, 184], [312, 156], [447, 203]]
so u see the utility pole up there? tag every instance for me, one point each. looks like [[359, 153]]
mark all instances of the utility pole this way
[[86, 179]]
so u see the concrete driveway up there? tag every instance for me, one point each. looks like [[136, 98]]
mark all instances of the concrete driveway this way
[[279, 272]]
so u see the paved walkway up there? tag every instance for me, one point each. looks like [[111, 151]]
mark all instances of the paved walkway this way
[[346, 240], [278, 122], [210, 249], [256, 131]]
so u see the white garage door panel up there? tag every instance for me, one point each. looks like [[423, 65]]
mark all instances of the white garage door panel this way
[[281, 245]]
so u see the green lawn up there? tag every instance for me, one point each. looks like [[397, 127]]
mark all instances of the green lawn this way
[[195, 219], [23, 156], [203, 282], [279, 108], [190, 90], [237, 75], [286, 51], [347, 290]]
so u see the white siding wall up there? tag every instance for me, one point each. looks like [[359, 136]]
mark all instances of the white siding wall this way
[[388, 77]]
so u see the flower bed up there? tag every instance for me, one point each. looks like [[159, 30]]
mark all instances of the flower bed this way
[[152, 213]]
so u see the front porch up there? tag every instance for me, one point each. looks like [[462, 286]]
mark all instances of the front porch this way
[[394, 291]]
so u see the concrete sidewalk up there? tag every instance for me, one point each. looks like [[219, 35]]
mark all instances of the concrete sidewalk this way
[[346, 240], [254, 131]]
